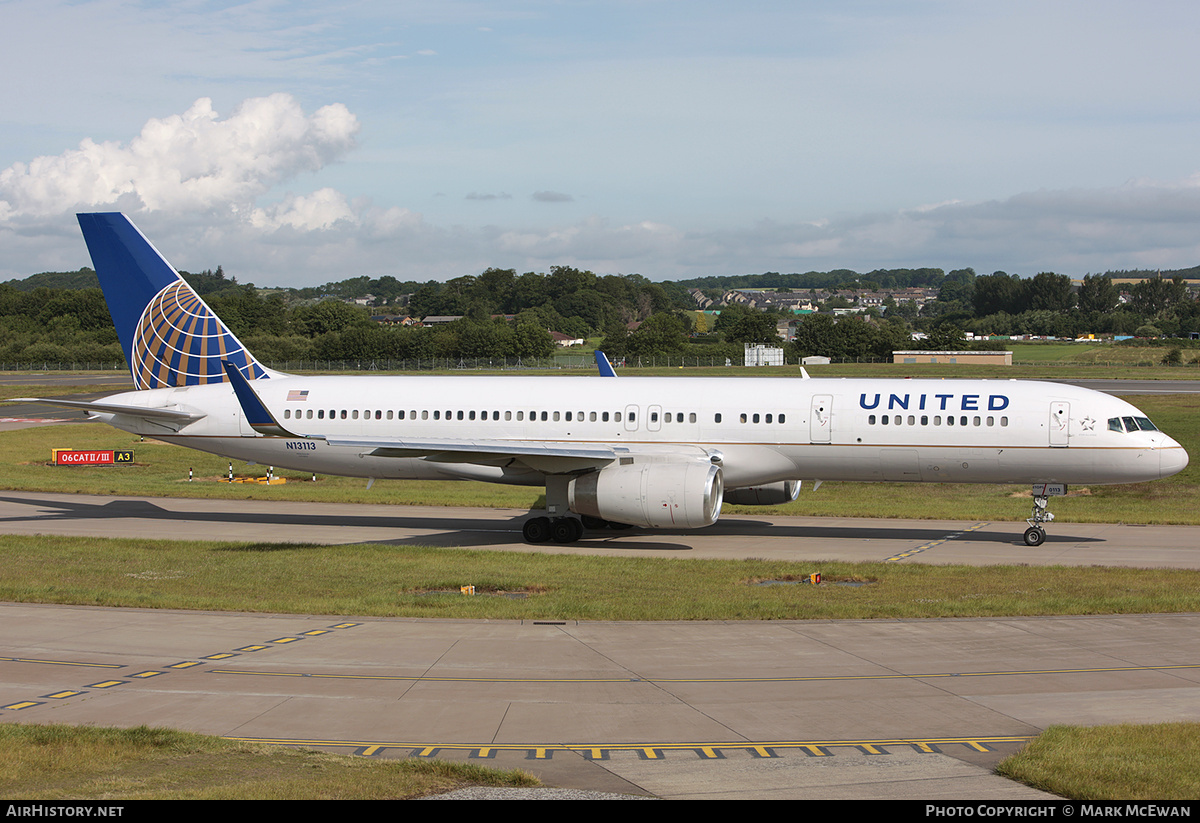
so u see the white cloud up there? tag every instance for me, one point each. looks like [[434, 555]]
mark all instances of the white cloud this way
[[320, 210], [193, 161]]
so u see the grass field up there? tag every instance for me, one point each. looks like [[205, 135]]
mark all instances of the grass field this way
[[1117, 763], [413, 581], [61, 763]]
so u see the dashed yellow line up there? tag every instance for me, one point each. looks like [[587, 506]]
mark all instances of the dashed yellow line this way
[[932, 543], [659, 751]]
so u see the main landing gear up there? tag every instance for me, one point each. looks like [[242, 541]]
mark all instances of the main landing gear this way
[[560, 530], [1035, 535], [563, 529]]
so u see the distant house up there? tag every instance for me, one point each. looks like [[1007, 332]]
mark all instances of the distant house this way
[[565, 340], [391, 319]]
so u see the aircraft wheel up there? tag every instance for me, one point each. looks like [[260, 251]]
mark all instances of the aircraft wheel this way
[[536, 530], [566, 530], [619, 526], [1034, 536], [594, 523]]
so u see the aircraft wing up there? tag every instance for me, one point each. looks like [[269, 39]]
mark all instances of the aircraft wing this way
[[154, 415], [548, 457]]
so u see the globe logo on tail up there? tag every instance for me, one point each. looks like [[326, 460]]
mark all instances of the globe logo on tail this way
[[180, 342]]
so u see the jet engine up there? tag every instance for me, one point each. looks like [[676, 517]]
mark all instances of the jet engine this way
[[771, 494], [656, 495]]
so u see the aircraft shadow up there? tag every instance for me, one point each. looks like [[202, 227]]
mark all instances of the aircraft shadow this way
[[486, 532]]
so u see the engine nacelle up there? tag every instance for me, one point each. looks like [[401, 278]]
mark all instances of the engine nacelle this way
[[772, 494], [656, 495]]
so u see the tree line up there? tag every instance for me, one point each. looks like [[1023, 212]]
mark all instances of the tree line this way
[[63, 318]]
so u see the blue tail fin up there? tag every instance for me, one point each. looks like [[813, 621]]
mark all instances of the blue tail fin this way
[[169, 335]]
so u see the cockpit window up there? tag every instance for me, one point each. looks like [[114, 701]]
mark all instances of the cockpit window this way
[[1131, 424]]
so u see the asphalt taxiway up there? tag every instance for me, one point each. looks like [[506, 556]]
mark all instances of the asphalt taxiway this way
[[917, 709]]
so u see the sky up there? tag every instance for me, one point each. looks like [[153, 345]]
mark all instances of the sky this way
[[299, 143]]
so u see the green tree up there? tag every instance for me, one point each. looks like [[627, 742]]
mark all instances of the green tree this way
[[1098, 294], [658, 335]]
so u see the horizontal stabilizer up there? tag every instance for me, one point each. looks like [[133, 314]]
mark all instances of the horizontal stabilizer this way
[[161, 415]]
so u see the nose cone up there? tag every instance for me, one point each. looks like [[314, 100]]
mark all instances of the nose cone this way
[[1172, 459]]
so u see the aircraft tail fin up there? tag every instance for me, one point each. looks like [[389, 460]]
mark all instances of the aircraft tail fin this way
[[169, 335]]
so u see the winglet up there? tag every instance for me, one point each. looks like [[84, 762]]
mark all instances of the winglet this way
[[257, 414], [606, 369]]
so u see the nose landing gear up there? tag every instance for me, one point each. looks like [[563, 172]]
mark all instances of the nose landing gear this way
[[1035, 535]]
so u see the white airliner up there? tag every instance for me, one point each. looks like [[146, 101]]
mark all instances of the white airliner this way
[[648, 452]]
